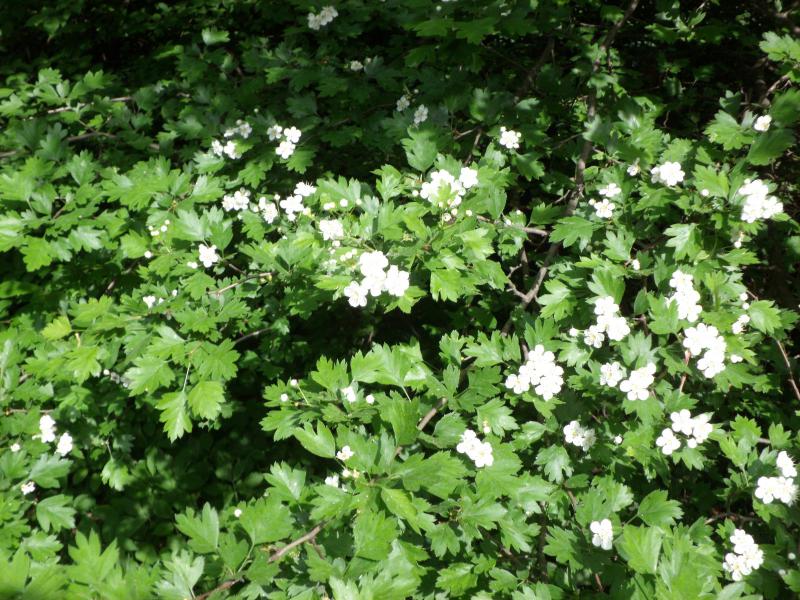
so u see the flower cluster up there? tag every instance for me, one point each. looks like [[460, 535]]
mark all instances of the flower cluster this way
[[293, 204], [239, 200], [156, 231], [745, 558], [208, 255], [444, 190], [421, 114], [376, 279], [509, 138], [757, 204], [637, 385], [609, 322], [323, 18], [782, 488], [242, 129], [47, 433], [706, 337], [577, 435], [478, 452], [685, 296], [152, 301], [539, 372], [331, 229], [602, 534], [227, 149], [669, 174], [696, 429], [289, 139]]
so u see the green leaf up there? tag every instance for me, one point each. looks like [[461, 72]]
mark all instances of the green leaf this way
[[206, 399], [174, 415], [764, 316], [769, 146], [319, 442], [58, 328], [214, 36], [149, 374], [572, 229], [684, 238], [420, 149], [55, 512], [640, 547], [37, 253], [658, 511], [266, 521], [202, 530], [48, 469]]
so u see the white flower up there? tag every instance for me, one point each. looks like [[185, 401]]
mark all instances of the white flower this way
[[402, 103], [701, 428], [275, 132], [612, 190], [668, 442], [577, 435], [603, 534], [633, 170], [345, 453], [682, 422], [332, 480], [47, 428], [443, 189], [700, 337], [239, 200], [669, 173], [292, 135], [468, 177], [356, 65], [27, 488], [396, 282], [757, 204], [208, 255], [762, 123], [292, 205], [331, 229], [64, 445], [482, 455], [594, 337], [284, 397], [325, 16], [479, 452], [285, 149], [237, 512], [616, 327], [786, 465], [372, 264], [228, 149], [509, 138], [150, 301], [637, 384], [617, 439], [268, 210], [356, 294], [611, 374], [148, 254], [15, 447], [604, 209], [605, 305], [349, 394], [369, 399], [421, 114]]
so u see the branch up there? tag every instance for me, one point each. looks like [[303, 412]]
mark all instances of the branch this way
[[580, 167], [788, 363]]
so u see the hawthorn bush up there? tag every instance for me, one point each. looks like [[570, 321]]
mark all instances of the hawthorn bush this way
[[399, 299]]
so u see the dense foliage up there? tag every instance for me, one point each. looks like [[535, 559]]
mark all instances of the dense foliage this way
[[399, 299]]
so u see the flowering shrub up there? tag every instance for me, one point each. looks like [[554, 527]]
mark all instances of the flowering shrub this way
[[399, 299]]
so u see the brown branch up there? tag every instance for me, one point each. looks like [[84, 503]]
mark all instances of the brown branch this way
[[530, 77], [221, 587], [788, 363], [580, 167]]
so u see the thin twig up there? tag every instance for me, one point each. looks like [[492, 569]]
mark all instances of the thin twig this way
[[580, 168], [240, 282], [788, 363]]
